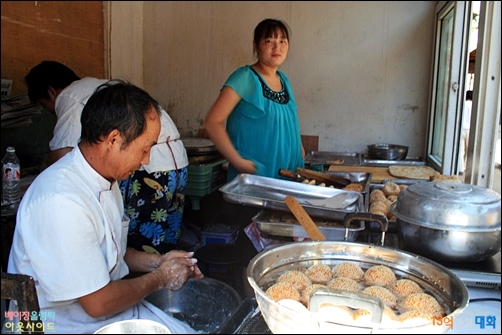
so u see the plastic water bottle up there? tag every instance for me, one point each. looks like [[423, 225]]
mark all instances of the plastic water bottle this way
[[11, 180]]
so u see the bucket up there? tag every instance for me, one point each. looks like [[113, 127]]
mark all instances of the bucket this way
[[224, 262]]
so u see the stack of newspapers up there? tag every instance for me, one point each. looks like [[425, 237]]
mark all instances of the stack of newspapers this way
[[18, 110]]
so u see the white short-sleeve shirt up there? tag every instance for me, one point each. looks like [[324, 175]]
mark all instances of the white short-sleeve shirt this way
[[69, 105]]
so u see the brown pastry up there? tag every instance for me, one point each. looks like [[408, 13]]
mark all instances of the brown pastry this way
[[354, 187], [391, 188]]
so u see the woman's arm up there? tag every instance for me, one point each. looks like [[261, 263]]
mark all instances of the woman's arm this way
[[215, 127]]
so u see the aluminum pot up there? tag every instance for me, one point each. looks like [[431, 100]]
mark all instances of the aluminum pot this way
[[449, 222], [266, 266], [386, 151]]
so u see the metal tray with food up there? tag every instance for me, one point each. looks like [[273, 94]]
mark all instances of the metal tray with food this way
[[258, 191], [367, 161], [280, 223], [333, 158], [375, 226]]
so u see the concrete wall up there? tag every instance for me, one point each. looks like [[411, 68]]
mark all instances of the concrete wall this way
[[360, 70]]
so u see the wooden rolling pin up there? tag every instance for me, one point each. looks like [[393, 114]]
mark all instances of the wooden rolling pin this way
[[322, 177], [291, 174]]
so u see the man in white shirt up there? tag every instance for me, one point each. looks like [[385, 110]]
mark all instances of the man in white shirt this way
[[71, 230], [59, 90]]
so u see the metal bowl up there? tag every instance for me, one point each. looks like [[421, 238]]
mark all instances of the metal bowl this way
[[450, 222], [137, 326], [436, 279], [204, 304], [387, 151]]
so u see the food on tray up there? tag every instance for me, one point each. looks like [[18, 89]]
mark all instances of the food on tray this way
[[385, 196], [363, 315], [305, 295], [345, 284], [444, 177], [335, 161], [379, 206], [380, 275], [377, 195], [392, 198], [391, 188], [319, 273], [405, 300], [404, 287], [415, 318], [423, 302], [280, 291], [331, 312], [298, 279], [354, 187], [383, 294], [349, 270], [412, 172]]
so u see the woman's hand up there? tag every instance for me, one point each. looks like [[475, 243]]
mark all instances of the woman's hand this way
[[245, 166]]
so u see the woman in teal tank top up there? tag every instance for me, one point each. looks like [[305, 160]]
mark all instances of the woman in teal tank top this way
[[254, 121]]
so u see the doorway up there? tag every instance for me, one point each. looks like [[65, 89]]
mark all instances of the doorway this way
[[464, 29]]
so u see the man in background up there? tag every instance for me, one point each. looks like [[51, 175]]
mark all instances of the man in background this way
[[59, 90]]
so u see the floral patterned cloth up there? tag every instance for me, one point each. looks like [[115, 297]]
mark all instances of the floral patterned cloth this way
[[154, 202]]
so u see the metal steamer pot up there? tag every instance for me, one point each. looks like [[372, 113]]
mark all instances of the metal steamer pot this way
[[449, 222], [266, 266]]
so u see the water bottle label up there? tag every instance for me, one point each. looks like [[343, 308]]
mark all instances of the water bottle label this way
[[11, 173]]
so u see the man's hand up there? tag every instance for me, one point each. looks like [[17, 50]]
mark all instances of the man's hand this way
[[175, 271]]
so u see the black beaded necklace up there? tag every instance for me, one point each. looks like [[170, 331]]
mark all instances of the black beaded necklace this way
[[281, 97]]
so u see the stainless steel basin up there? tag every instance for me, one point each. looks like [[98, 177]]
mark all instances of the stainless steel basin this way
[[204, 304]]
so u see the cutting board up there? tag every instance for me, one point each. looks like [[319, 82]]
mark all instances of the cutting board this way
[[379, 174]]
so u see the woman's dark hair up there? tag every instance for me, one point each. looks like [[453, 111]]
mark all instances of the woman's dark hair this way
[[48, 73], [269, 28], [119, 105]]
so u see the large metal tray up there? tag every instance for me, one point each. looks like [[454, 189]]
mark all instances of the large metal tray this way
[[415, 161], [268, 222], [258, 191], [323, 157]]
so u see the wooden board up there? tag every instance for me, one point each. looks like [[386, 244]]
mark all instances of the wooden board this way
[[379, 174], [310, 142], [70, 32]]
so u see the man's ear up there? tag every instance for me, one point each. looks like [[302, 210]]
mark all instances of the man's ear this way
[[114, 138], [53, 92]]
